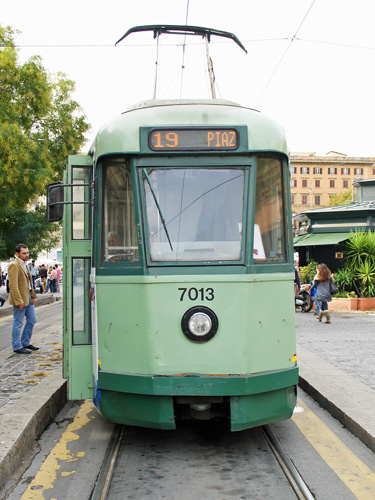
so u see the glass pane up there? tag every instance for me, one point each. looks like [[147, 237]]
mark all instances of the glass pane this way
[[269, 229], [81, 212], [119, 236], [202, 210], [81, 302]]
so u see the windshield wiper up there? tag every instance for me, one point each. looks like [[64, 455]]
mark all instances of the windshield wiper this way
[[158, 207]]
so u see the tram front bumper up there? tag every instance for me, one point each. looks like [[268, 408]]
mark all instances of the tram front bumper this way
[[148, 400]]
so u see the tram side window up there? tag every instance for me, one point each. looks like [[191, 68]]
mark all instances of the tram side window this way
[[81, 224], [119, 231], [269, 229], [80, 301]]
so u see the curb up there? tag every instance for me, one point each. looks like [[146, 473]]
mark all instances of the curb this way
[[26, 420]]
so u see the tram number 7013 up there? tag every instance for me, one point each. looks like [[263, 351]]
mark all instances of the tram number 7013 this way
[[197, 294]]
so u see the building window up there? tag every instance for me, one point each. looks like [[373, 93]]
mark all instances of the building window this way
[[305, 170], [345, 184], [317, 183], [332, 171], [292, 197], [304, 199], [293, 183], [293, 170], [373, 172], [332, 183], [317, 199], [304, 183], [318, 170], [345, 171], [358, 171]]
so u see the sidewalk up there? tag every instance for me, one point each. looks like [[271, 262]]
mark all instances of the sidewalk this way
[[336, 361], [32, 391], [337, 368]]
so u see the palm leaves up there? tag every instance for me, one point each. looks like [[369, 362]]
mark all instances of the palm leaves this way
[[360, 262]]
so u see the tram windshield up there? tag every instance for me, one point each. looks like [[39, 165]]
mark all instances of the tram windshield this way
[[194, 214]]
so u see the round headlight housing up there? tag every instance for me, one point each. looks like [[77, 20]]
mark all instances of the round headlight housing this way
[[199, 324]]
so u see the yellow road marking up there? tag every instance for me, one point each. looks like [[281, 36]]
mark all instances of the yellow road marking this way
[[356, 476], [47, 474]]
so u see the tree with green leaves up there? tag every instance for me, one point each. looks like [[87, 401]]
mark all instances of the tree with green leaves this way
[[343, 198], [40, 125]]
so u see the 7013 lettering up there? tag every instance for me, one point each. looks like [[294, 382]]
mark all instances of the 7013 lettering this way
[[193, 294]]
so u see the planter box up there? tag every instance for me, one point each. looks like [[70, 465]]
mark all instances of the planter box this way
[[343, 305], [348, 305], [366, 304]]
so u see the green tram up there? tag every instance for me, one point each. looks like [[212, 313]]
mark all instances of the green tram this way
[[178, 264], [178, 272]]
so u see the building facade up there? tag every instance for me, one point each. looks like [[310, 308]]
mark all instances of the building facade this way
[[314, 179]]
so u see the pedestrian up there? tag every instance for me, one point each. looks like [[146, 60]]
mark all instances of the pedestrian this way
[[49, 269], [58, 273], [33, 271], [43, 275], [322, 284], [53, 280], [22, 297]]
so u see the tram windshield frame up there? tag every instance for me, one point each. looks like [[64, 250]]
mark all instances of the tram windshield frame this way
[[210, 212]]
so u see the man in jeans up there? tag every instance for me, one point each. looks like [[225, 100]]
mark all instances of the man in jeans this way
[[22, 297]]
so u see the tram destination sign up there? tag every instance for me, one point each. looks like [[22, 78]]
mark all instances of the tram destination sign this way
[[194, 139]]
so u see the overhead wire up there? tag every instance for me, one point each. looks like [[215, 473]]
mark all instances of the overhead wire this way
[[132, 45], [184, 49], [284, 54]]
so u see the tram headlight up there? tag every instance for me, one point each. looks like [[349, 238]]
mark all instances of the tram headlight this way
[[199, 324]]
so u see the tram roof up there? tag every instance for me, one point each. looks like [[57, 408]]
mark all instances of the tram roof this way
[[121, 134]]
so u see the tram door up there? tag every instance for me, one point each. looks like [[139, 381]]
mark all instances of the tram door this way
[[77, 336]]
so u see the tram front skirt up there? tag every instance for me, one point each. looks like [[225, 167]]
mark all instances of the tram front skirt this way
[[154, 400]]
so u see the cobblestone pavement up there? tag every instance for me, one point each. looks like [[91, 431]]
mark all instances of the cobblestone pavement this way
[[20, 373], [348, 342]]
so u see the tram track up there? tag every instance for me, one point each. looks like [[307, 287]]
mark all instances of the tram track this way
[[106, 472], [103, 483], [291, 473]]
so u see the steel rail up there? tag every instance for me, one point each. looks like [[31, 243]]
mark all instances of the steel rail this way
[[104, 479], [295, 479]]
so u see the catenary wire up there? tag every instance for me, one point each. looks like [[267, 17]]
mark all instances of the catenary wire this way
[[284, 54], [183, 49]]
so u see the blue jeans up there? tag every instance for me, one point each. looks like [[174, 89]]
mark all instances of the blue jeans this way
[[18, 340], [318, 305]]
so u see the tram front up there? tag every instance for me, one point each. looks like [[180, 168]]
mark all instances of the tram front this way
[[192, 268]]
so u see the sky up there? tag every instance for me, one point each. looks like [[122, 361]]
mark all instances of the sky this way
[[310, 63]]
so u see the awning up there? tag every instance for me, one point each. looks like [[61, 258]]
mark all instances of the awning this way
[[307, 240]]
